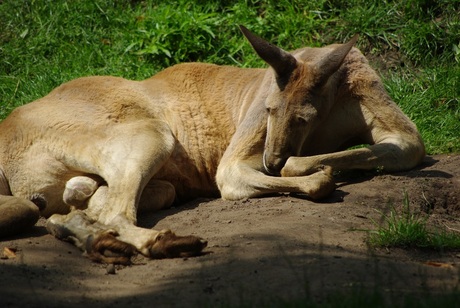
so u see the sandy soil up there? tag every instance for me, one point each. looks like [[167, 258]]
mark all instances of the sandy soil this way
[[261, 251]]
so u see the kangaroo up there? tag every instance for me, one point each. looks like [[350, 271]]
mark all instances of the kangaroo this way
[[97, 151]]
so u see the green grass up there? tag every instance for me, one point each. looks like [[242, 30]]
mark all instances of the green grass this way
[[363, 297], [45, 43], [408, 229], [431, 97]]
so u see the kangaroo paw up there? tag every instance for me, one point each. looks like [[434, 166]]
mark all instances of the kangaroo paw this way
[[106, 248], [97, 240], [169, 245]]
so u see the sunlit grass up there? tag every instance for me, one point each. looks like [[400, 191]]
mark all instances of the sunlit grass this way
[[406, 228], [431, 98]]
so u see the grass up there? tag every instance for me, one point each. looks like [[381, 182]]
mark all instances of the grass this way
[[363, 297], [45, 43], [408, 229], [431, 97]]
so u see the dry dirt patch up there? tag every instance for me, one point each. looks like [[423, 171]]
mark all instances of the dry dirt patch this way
[[261, 251]]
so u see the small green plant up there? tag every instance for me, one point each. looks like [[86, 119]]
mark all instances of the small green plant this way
[[400, 229], [409, 229], [456, 49]]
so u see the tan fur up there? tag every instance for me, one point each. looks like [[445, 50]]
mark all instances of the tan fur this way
[[200, 130]]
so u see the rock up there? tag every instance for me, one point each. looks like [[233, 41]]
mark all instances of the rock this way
[[111, 269]]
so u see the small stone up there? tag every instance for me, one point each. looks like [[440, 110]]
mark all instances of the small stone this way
[[111, 269]]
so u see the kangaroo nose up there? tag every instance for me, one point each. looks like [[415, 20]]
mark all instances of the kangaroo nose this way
[[273, 164]]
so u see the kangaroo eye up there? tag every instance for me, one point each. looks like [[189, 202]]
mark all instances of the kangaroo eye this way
[[301, 120]]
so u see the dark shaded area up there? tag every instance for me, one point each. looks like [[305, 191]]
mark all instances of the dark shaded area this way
[[35, 231], [286, 271]]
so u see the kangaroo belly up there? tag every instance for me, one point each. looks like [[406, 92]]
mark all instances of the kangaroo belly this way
[[191, 176]]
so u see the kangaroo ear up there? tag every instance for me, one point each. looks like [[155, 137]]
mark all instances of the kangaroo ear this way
[[281, 61], [332, 62]]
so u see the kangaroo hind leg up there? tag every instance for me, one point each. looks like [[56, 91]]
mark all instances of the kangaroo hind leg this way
[[106, 228]]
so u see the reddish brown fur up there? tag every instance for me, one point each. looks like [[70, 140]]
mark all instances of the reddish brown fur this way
[[169, 245], [106, 248]]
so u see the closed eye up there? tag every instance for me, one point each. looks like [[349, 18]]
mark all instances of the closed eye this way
[[301, 120]]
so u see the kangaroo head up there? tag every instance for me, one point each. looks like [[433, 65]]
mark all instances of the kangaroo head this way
[[297, 98]]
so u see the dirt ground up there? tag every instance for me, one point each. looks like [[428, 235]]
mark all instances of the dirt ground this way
[[268, 251]]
